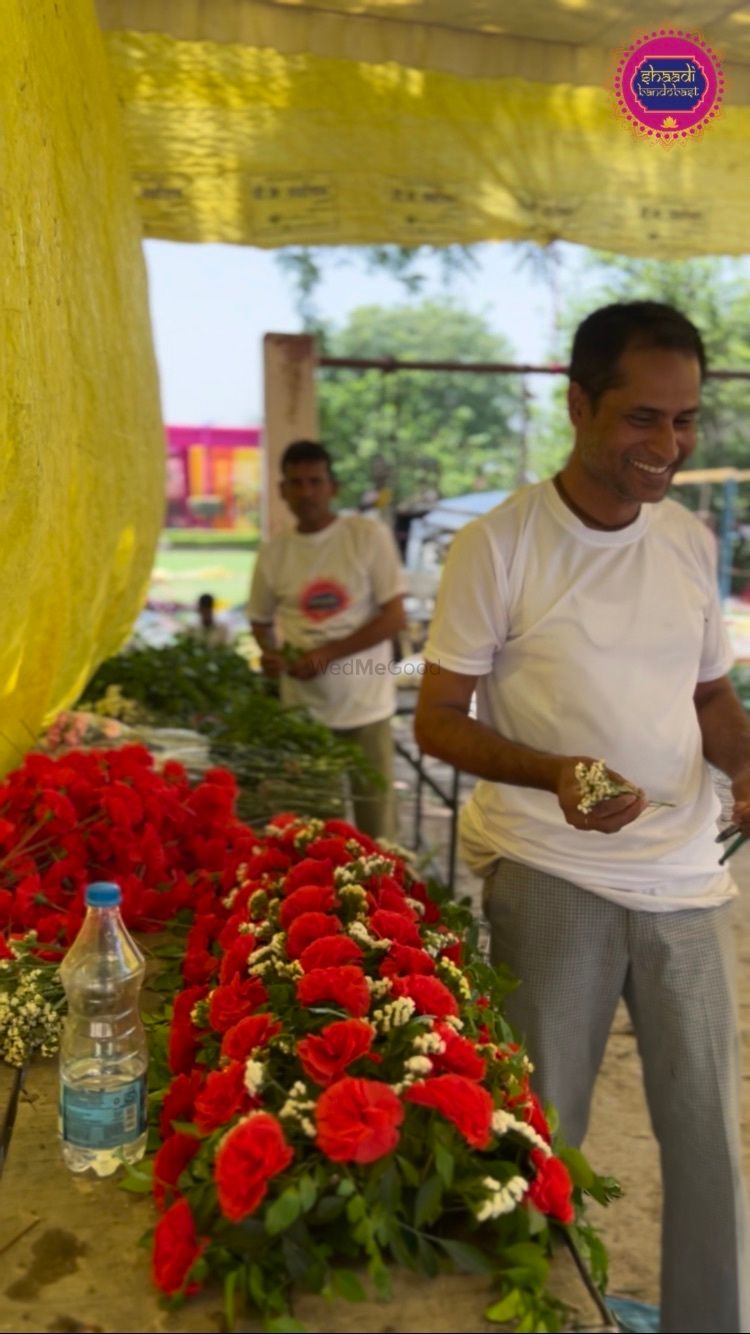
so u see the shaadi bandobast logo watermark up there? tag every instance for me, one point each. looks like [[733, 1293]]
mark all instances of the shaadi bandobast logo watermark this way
[[669, 85]]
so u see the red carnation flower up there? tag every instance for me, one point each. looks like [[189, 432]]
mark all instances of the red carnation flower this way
[[7, 832], [330, 952], [454, 952], [343, 829], [460, 1056], [307, 928], [253, 1152], [266, 862], [404, 959], [309, 898], [551, 1189], [252, 1032], [533, 1114], [460, 1100], [235, 960], [345, 986], [199, 966], [418, 891], [169, 1164], [183, 1034], [330, 849], [394, 926], [310, 871], [231, 927], [223, 1095], [385, 883], [176, 1249], [358, 1120], [386, 893], [429, 994], [325, 1056], [179, 1101], [231, 1002], [283, 819]]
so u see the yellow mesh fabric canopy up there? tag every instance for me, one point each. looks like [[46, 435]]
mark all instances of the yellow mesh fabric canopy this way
[[81, 445], [444, 121]]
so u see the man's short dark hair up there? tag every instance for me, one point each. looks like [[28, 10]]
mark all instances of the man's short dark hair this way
[[306, 451], [600, 340]]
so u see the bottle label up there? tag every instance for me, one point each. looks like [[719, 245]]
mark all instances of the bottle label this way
[[103, 1118]]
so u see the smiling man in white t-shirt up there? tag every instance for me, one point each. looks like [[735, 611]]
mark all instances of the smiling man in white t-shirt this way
[[334, 585], [584, 613]]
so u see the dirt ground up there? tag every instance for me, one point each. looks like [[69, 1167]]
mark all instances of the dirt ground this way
[[619, 1142]]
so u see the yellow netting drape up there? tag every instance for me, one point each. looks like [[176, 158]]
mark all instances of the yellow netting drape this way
[[273, 147], [81, 445]]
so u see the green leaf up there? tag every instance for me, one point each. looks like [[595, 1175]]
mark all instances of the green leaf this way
[[329, 1208], [381, 1278], [355, 1209], [593, 1252], [188, 1128], [529, 1324], [308, 1192], [523, 1253], [536, 1221], [348, 1285], [345, 1188], [138, 1180], [408, 1171], [247, 1235], [444, 1163], [428, 1256], [283, 1212], [506, 1309], [390, 1188], [299, 1255], [604, 1189], [398, 1246], [230, 1286], [469, 1259], [255, 1285], [598, 1259], [285, 1324], [429, 1201], [578, 1166]]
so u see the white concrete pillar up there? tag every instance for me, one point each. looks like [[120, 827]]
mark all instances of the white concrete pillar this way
[[291, 413]]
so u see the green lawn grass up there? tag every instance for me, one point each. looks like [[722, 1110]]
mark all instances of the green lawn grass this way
[[181, 574], [209, 537]]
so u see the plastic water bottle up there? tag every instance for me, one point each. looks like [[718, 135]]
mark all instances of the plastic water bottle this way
[[103, 1053]]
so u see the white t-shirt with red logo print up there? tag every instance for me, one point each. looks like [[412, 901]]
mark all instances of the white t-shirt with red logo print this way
[[323, 586]]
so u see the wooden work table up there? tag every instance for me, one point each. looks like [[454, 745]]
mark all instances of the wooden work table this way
[[70, 1258]]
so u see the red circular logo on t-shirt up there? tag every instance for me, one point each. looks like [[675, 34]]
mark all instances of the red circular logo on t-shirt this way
[[323, 598]]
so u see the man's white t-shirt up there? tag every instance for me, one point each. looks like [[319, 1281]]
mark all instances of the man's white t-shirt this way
[[588, 642], [323, 586]]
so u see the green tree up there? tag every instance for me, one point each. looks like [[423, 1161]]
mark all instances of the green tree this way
[[716, 296], [427, 430], [305, 267]]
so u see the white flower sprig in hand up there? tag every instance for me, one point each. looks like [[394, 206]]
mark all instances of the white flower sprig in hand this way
[[596, 783]]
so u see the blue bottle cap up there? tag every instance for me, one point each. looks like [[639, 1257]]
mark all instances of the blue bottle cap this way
[[103, 894]]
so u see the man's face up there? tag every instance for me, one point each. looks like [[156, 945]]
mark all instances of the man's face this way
[[642, 431], [308, 490]]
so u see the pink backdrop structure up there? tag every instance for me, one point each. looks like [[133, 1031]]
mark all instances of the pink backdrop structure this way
[[213, 477]]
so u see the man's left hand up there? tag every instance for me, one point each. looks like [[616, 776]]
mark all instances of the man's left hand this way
[[741, 794], [310, 664]]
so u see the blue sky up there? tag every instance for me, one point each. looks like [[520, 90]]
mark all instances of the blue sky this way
[[212, 304]]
